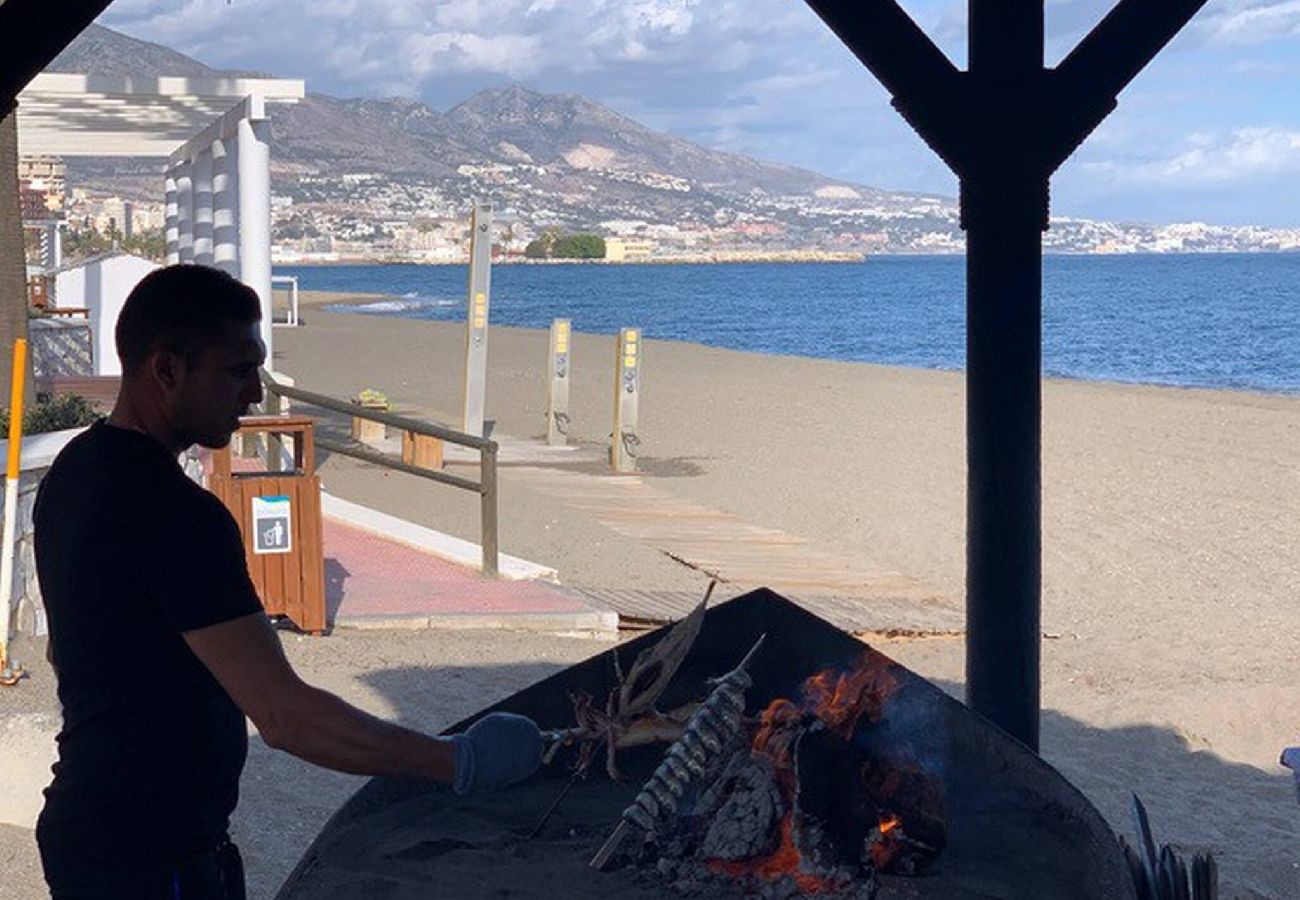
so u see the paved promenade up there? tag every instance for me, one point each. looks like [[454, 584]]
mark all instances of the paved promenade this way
[[375, 582]]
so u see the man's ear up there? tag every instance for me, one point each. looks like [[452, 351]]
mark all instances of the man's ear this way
[[165, 368]]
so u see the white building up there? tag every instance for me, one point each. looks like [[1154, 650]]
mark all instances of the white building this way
[[99, 285]]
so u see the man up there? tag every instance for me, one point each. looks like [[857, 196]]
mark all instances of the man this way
[[159, 642]]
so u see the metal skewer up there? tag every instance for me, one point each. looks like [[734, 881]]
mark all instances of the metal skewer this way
[[707, 732], [555, 804]]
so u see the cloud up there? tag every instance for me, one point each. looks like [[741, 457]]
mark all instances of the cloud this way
[[1211, 160], [440, 51], [767, 78], [1262, 67], [371, 44], [1253, 21]]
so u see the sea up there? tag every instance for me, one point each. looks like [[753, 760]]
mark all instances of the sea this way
[[1215, 320]]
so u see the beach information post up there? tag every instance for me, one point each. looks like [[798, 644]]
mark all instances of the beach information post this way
[[557, 405], [476, 318], [627, 392]]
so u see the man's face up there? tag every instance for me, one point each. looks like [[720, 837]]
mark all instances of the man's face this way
[[217, 385]]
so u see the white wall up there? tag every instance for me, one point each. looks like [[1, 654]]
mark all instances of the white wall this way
[[101, 286], [39, 451]]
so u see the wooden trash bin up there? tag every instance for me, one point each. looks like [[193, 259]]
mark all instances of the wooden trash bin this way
[[280, 519]]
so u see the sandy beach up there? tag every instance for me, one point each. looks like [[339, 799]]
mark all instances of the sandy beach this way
[[1169, 520], [1170, 560]]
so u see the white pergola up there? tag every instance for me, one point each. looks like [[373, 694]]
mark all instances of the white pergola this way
[[214, 135]]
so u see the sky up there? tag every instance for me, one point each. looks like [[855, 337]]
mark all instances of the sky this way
[[1209, 131]]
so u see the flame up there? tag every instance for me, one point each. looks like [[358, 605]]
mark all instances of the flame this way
[[774, 737], [784, 860], [885, 847], [840, 700]]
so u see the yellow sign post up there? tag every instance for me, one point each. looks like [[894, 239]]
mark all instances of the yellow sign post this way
[[627, 394], [557, 401], [10, 673], [476, 319]]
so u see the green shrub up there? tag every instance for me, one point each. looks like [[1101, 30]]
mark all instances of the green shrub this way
[[580, 246], [52, 413]]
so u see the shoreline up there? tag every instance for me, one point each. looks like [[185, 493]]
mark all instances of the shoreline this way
[[320, 300], [796, 257], [707, 259]]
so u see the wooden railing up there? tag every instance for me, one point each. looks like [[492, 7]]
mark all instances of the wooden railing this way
[[485, 487]]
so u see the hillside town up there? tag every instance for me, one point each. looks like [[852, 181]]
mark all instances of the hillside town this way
[[371, 217]]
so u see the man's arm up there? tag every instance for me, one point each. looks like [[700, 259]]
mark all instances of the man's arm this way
[[245, 656]]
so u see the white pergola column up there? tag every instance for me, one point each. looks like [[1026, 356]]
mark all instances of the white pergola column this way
[[254, 177], [185, 213], [171, 232], [54, 245], [202, 186], [225, 206]]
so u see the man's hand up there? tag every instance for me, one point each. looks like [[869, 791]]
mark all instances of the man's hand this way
[[497, 750]]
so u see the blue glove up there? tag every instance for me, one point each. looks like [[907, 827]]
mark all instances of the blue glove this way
[[497, 750]]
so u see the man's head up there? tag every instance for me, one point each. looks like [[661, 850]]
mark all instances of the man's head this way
[[189, 340]]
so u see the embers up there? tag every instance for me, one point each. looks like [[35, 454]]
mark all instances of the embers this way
[[853, 807], [802, 808]]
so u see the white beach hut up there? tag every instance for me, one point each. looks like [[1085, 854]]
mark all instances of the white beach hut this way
[[99, 285]]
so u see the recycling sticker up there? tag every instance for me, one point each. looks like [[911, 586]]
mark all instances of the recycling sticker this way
[[272, 531]]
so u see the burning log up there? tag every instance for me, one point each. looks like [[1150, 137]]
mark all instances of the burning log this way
[[854, 809], [710, 728]]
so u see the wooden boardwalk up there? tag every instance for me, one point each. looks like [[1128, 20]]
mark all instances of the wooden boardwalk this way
[[742, 555]]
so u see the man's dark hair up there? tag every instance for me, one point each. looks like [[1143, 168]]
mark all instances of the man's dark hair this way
[[183, 309]]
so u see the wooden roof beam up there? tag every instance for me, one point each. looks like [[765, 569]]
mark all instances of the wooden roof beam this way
[[1110, 57], [925, 87]]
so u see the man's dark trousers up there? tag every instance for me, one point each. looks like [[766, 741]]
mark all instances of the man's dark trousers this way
[[216, 874]]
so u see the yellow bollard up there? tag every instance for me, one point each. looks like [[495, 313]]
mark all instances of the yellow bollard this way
[[9, 673]]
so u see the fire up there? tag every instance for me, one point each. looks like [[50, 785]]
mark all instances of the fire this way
[[774, 734], [884, 848], [782, 861], [840, 700]]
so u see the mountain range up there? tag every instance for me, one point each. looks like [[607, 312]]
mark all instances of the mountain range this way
[[404, 137], [547, 160]]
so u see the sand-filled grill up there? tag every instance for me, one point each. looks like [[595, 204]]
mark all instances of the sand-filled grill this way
[[791, 760]]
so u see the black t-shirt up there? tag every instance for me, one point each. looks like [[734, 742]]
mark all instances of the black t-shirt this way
[[130, 555]]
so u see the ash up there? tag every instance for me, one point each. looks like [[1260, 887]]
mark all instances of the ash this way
[[731, 828], [742, 808]]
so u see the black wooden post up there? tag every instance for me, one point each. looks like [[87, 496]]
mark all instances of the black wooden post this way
[[1003, 300], [1004, 127], [1004, 211]]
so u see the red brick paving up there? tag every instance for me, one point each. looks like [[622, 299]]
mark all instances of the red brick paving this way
[[367, 575]]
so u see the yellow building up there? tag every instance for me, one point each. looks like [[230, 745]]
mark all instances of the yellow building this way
[[623, 250], [46, 176]]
